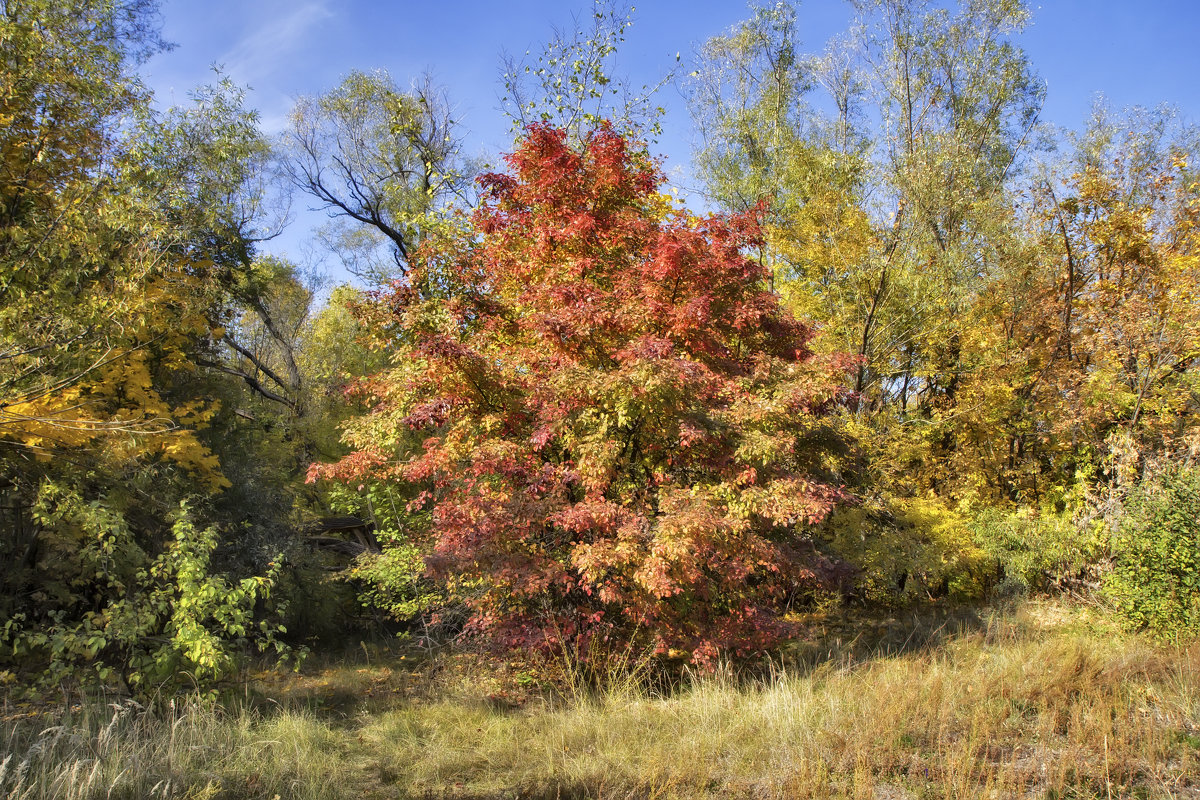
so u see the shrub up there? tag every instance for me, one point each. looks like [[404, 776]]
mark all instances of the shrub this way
[[390, 584], [152, 619], [1155, 580], [916, 549], [1046, 551]]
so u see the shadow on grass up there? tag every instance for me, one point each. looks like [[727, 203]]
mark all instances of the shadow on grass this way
[[340, 685], [570, 791], [854, 638], [337, 684]]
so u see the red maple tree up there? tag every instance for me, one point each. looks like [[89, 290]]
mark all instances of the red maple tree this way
[[613, 424]]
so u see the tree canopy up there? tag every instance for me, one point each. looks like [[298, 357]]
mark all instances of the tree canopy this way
[[923, 348]]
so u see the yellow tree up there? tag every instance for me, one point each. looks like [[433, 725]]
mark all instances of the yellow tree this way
[[1086, 337], [115, 275]]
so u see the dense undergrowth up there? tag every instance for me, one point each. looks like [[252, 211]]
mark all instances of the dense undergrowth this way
[[1040, 700]]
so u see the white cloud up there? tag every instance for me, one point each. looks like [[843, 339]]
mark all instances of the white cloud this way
[[274, 38]]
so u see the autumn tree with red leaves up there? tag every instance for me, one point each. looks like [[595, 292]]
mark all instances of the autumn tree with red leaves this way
[[611, 429]]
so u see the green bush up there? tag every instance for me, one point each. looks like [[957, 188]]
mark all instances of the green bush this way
[[1044, 551], [1155, 580], [390, 583], [121, 610]]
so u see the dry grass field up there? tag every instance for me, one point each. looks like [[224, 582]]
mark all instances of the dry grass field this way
[[1043, 700]]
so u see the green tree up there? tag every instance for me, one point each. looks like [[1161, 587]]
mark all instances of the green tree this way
[[573, 84], [122, 235], [761, 142], [889, 215], [380, 160]]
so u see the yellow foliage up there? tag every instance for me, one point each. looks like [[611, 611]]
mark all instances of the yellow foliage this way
[[113, 405], [917, 549]]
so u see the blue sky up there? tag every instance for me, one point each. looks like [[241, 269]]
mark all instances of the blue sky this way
[[1142, 53]]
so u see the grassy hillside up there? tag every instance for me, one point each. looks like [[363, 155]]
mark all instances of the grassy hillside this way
[[1045, 700]]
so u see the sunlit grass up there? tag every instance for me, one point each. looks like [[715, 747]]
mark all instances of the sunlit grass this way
[[187, 749], [1047, 701]]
